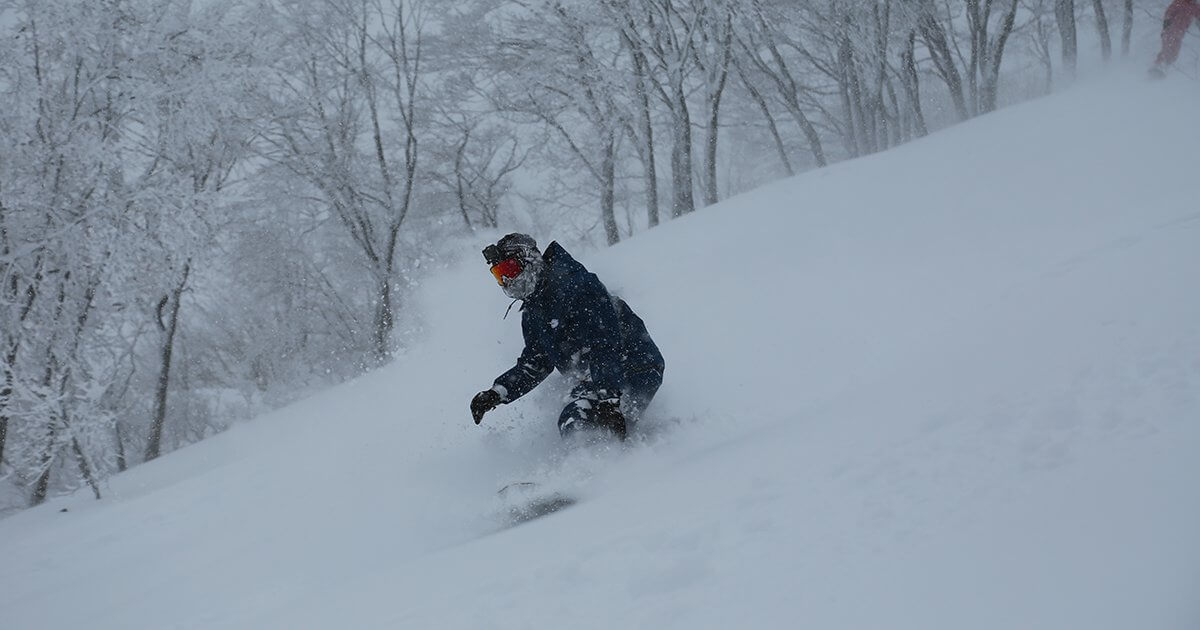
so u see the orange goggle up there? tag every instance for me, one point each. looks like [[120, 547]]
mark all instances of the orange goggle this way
[[510, 268]]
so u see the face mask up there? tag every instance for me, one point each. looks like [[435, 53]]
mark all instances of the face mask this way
[[524, 283]]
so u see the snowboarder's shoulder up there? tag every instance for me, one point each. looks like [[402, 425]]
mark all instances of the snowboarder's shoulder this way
[[561, 264], [570, 279], [555, 253]]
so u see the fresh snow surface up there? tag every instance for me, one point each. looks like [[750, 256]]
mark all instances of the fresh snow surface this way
[[955, 385]]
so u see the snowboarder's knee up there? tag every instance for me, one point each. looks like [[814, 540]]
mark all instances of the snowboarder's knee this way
[[585, 415], [576, 412]]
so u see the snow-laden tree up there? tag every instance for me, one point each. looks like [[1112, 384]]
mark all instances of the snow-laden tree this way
[[121, 118], [349, 124], [66, 98], [665, 33], [192, 131], [557, 64]]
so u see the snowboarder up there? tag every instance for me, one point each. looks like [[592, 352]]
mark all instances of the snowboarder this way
[[571, 322], [1176, 20]]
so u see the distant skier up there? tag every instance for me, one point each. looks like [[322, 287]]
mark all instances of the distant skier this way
[[572, 323], [1179, 16]]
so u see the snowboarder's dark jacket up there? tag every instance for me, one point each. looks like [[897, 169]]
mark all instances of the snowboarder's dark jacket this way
[[572, 323]]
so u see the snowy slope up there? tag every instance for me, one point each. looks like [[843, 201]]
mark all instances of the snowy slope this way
[[955, 385]]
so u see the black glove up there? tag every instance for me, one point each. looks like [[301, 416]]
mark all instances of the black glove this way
[[484, 402], [608, 414]]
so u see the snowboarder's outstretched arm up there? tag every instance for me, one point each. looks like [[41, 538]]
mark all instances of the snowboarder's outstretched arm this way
[[533, 366], [531, 369]]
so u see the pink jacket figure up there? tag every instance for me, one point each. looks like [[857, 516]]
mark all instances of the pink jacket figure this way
[[1176, 21]]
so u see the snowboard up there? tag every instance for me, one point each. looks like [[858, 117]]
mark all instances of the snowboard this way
[[525, 501]]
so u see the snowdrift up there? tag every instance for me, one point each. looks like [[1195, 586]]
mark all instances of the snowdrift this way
[[955, 385]]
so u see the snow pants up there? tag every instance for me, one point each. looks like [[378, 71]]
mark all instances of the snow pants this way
[[640, 386], [1176, 21]]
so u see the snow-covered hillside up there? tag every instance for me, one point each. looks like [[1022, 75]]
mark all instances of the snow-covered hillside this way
[[956, 385]]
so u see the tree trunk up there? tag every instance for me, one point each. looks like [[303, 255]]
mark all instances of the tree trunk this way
[[607, 192], [85, 468], [1127, 28], [649, 170], [10, 359], [977, 23], [385, 320], [995, 54], [862, 114], [1064, 16], [60, 367], [769, 117], [1102, 29], [912, 83], [154, 444], [681, 157], [6, 392], [854, 147], [892, 120], [884, 125], [714, 121], [810, 134], [122, 461], [460, 191], [4, 395], [42, 487], [710, 152], [934, 36]]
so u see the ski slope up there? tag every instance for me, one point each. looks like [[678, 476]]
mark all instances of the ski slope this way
[[954, 385]]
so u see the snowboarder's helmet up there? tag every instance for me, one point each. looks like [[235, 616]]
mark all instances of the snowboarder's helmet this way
[[517, 245], [516, 264]]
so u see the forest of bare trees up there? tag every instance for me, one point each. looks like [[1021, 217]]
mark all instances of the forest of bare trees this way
[[211, 208]]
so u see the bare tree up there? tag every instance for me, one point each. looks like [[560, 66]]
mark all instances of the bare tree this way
[[58, 220], [749, 84], [359, 71], [935, 36], [665, 32], [712, 53], [1126, 26], [1102, 29], [987, 50], [480, 162], [757, 41], [911, 82], [169, 307], [641, 130], [1064, 17], [576, 100], [1039, 34]]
